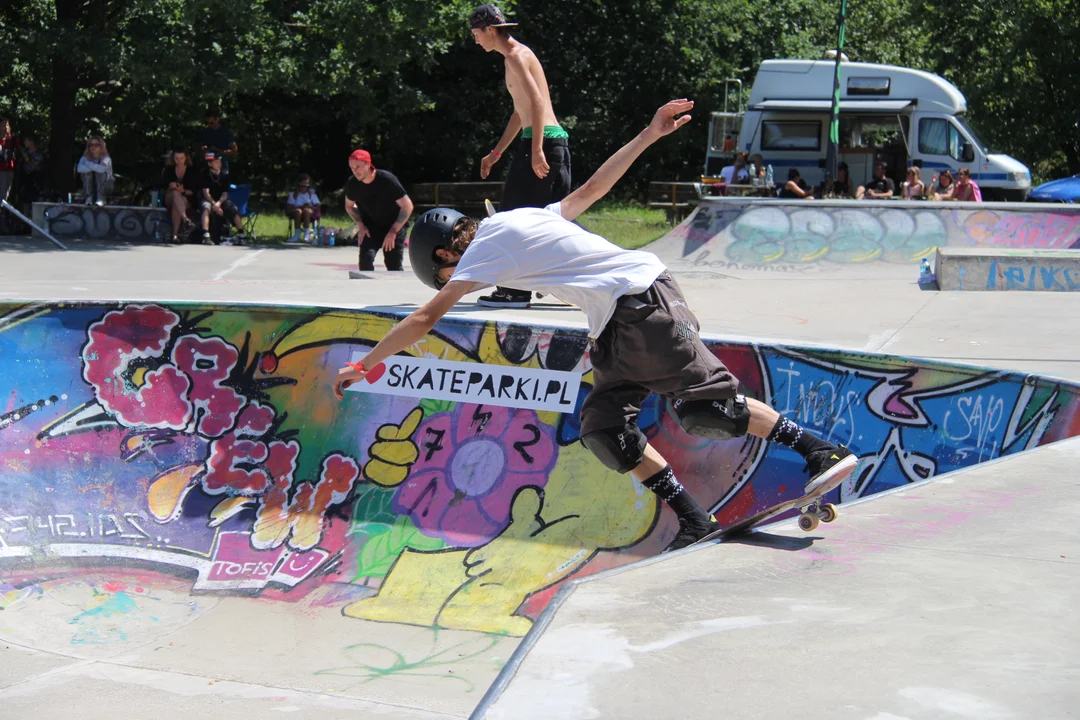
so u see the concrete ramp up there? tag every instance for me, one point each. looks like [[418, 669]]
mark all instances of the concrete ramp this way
[[989, 269], [952, 599], [182, 497], [732, 236]]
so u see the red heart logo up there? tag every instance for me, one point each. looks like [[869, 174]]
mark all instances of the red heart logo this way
[[375, 373]]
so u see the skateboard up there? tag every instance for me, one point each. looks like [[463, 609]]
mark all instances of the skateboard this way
[[812, 513]]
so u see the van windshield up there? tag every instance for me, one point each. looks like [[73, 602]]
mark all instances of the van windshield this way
[[966, 124]]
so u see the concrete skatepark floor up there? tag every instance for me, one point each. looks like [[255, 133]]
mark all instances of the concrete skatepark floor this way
[[229, 657]]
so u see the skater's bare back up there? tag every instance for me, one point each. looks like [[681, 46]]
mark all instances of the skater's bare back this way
[[521, 65]]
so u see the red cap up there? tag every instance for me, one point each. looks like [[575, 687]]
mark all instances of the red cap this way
[[362, 156]]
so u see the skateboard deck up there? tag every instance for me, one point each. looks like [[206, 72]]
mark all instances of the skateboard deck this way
[[812, 514]]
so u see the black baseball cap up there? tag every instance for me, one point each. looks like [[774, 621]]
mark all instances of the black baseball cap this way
[[211, 155], [487, 15]]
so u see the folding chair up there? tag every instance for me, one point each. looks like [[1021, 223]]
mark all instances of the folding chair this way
[[240, 196], [315, 221]]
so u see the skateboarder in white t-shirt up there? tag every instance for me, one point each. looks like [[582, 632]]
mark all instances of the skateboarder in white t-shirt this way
[[644, 339]]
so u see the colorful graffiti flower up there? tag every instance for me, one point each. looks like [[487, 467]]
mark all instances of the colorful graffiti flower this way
[[472, 462]]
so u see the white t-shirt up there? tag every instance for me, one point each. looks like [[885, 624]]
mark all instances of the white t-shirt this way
[[301, 199], [537, 249], [729, 176]]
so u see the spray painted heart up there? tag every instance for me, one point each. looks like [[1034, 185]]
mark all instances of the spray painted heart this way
[[375, 373]]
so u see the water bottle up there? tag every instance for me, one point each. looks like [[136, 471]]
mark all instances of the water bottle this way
[[330, 241], [924, 270], [769, 176]]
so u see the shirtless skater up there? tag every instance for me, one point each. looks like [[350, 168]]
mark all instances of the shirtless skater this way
[[644, 337], [540, 171]]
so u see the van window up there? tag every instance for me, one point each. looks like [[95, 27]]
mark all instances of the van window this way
[[939, 137], [804, 135]]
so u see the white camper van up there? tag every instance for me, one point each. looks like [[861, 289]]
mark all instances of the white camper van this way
[[888, 114]]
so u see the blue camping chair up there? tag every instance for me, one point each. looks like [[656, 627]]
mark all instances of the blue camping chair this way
[[240, 196]]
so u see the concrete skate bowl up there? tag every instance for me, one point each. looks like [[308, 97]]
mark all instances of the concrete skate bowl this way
[[778, 236], [181, 495]]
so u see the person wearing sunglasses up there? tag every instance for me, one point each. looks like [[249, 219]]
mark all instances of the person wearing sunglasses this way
[[96, 171]]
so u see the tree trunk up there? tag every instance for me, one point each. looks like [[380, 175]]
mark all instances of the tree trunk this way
[[65, 85], [62, 153]]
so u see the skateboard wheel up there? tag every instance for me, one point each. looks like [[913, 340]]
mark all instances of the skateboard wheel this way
[[828, 512], [808, 522]]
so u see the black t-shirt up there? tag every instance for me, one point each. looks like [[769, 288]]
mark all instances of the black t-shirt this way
[[191, 180], [377, 200], [220, 138], [881, 185], [216, 185]]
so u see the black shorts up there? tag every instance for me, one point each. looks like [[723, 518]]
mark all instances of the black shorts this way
[[651, 345], [228, 209], [524, 189]]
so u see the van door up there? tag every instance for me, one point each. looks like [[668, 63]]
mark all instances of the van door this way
[[940, 146]]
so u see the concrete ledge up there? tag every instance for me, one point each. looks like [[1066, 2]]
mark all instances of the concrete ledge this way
[[110, 222], [987, 269]]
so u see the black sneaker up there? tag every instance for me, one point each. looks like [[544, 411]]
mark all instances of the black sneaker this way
[[506, 299], [691, 530], [831, 465]]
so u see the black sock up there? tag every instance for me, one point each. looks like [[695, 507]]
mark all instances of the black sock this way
[[675, 495], [797, 438]]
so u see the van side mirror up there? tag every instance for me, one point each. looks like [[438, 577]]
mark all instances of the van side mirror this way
[[967, 154]]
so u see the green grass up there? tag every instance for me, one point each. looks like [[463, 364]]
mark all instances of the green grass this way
[[627, 226]]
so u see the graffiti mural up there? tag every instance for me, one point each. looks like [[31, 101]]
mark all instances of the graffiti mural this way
[[110, 222], [795, 237], [204, 443]]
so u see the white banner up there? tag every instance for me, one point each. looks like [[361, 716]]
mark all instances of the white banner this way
[[469, 382]]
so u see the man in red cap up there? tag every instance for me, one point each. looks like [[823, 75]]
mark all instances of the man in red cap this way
[[378, 203], [540, 171]]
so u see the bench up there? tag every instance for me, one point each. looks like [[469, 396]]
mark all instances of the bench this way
[[678, 199], [989, 269], [110, 222], [465, 197]]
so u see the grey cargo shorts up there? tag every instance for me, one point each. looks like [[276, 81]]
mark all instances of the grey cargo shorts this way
[[651, 345]]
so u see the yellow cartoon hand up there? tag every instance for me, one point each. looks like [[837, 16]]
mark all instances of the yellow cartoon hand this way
[[393, 452]]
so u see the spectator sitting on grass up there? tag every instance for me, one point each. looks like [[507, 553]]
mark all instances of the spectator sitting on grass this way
[[96, 170], [302, 206], [967, 190], [880, 188], [795, 187], [942, 187], [182, 188], [913, 188], [215, 199]]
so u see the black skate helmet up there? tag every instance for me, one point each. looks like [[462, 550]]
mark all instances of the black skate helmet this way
[[432, 231]]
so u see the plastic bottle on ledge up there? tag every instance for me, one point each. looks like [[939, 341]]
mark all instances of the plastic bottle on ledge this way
[[769, 176]]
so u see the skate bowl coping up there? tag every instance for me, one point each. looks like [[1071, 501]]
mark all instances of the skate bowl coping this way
[[1007, 269], [725, 234]]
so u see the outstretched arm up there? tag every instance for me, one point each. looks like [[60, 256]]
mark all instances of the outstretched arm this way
[[663, 123], [407, 332]]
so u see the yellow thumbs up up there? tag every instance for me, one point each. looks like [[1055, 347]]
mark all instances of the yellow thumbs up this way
[[393, 452]]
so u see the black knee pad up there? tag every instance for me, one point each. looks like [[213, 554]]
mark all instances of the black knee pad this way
[[714, 419], [620, 449]]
